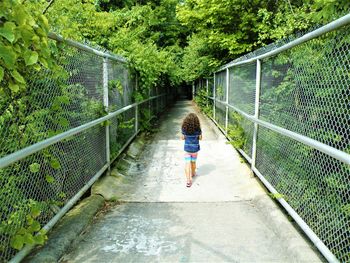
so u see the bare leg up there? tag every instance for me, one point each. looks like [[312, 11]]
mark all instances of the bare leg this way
[[188, 172], [193, 168]]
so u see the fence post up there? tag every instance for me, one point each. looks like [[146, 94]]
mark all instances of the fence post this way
[[256, 112], [150, 106], [227, 89], [214, 93], [156, 101], [207, 93], [105, 104], [136, 109], [193, 90], [159, 102]]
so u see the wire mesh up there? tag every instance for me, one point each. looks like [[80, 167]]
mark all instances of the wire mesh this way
[[46, 181], [220, 86], [120, 94], [152, 104], [54, 102], [118, 86], [34, 189], [220, 94], [311, 97], [313, 183], [304, 90], [121, 129], [240, 131], [161, 101], [220, 114], [145, 116], [210, 87], [242, 87]]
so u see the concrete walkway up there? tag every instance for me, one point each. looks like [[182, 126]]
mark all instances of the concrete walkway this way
[[226, 216]]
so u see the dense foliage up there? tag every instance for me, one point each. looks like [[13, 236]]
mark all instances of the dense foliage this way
[[167, 43], [305, 90], [24, 51], [224, 30]]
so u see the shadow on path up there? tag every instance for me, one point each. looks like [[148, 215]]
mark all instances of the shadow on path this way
[[226, 216]]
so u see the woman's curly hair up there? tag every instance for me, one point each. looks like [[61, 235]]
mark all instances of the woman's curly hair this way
[[191, 124]]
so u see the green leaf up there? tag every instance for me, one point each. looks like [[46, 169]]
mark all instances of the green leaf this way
[[18, 77], [37, 67], [63, 122], [27, 33], [7, 31], [13, 87], [40, 32], [8, 55], [346, 209], [17, 242], [43, 232], [20, 15], [30, 220], [62, 195], [45, 22], [1, 73], [39, 239], [276, 195], [44, 62], [55, 164], [35, 211], [28, 239], [34, 167], [35, 226], [30, 57], [21, 231], [63, 99], [50, 179]]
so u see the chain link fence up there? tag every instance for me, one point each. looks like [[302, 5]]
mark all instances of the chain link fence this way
[[288, 113], [61, 135]]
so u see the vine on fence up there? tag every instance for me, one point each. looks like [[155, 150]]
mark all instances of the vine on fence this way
[[24, 51], [42, 95], [203, 102], [311, 97]]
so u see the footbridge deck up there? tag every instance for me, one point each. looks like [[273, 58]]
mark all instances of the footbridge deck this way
[[226, 216]]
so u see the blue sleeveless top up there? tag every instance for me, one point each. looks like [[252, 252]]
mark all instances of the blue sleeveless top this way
[[192, 141]]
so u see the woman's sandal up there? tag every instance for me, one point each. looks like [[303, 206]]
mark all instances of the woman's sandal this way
[[189, 184]]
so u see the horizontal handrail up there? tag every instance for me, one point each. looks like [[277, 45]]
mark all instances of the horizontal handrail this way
[[329, 150], [316, 33], [19, 155], [28, 248], [86, 48], [307, 230]]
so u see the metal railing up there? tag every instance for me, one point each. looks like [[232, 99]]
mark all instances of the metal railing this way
[[62, 135], [288, 110]]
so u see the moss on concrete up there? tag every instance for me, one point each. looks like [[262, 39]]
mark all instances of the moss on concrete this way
[[67, 230], [107, 187]]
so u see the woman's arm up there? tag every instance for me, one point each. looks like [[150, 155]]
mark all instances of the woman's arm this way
[[200, 137], [182, 137]]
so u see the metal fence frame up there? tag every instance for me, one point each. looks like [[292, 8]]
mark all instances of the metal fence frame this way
[[331, 151], [21, 154]]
